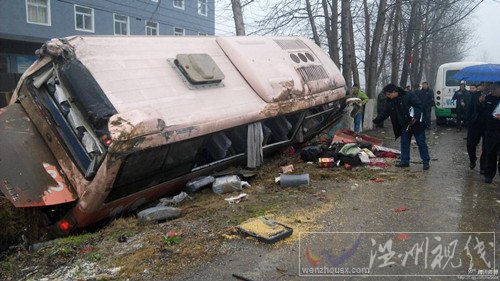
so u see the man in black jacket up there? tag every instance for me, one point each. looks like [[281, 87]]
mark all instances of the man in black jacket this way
[[491, 113], [426, 96], [460, 97], [405, 110], [475, 130]]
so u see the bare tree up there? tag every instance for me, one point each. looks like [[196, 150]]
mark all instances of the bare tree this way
[[395, 54], [237, 8], [312, 22], [374, 50], [347, 56], [331, 30]]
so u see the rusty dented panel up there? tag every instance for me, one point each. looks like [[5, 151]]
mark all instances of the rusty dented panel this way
[[29, 173]]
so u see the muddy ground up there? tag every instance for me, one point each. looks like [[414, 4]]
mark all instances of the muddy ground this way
[[447, 198]]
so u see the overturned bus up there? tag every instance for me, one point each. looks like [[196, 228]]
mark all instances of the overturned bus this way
[[101, 125]]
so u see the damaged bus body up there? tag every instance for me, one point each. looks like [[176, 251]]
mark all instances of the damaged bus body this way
[[101, 125]]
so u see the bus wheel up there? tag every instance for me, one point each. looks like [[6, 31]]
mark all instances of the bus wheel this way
[[441, 121]]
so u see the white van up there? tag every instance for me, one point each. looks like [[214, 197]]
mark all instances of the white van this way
[[445, 87]]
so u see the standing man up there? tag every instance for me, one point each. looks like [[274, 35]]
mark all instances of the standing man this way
[[358, 119], [426, 96], [475, 130], [459, 97], [492, 132], [405, 110]]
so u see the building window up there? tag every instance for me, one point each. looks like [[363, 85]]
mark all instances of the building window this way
[[121, 25], [178, 31], [202, 7], [151, 28], [38, 11], [84, 18], [179, 4]]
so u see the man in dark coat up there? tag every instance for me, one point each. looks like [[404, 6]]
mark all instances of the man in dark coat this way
[[405, 110], [426, 96], [491, 114], [460, 98], [475, 130]]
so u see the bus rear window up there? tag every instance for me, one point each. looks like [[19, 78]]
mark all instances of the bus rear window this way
[[450, 81]]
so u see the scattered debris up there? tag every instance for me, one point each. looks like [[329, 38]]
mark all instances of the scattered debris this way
[[41, 245], [172, 201], [287, 169], [385, 149], [197, 184], [348, 136], [400, 209], [350, 149], [378, 164], [310, 153], [265, 229], [228, 184], [369, 152], [326, 162], [158, 213], [288, 151], [241, 277], [377, 180], [403, 236], [237, 199], [386, 154], [294, 180], [363, 156]]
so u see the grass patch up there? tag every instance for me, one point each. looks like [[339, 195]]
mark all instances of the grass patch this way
[[136, 262], [127, 227]]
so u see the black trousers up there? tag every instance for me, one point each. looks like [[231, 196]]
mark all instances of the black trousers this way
[[492, 149], [460, 116], [475, 133]]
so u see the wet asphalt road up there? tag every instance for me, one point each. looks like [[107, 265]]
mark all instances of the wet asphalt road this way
[[448, 198]]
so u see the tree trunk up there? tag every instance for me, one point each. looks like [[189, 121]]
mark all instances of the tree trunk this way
[[385, 47], [238, 17], [354, 64], [395, 43], [335, 32], [417, 47], [346, 49], [312, 23], [408, 44], [367, 39], [374, 50], [331, 31]]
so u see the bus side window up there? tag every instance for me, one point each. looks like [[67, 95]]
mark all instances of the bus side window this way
[[147, 168]]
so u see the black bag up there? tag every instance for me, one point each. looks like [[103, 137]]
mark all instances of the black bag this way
[[351, 160], [310, 153]]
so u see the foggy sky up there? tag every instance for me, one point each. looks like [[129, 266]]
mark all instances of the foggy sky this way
[[486, 19]]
